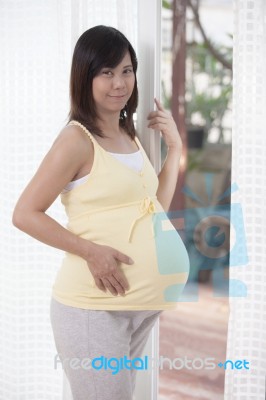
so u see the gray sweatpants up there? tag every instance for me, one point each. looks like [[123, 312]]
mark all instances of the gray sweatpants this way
[[82, 334]]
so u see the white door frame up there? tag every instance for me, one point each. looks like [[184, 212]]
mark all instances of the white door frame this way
[[149, 73], [149, 84]]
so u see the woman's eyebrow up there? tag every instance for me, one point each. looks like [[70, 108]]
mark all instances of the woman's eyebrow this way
[[126, 66]]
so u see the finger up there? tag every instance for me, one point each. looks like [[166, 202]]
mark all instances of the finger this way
[[123, 258], [158, 113], [109, 286], [157, 120], [121, 279], [99, 284], [158, 104], [157, 126], [117, 285]]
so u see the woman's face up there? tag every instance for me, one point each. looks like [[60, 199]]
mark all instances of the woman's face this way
[[112, 87]]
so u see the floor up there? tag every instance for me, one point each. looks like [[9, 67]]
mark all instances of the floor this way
[[195, 331]]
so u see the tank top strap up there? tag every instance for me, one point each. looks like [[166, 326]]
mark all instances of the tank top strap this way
[[138, 143], [73, 122]]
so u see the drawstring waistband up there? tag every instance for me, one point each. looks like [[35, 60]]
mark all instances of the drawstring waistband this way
[[146, 207]]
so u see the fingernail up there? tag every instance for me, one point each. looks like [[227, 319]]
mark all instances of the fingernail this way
[[131, 261]]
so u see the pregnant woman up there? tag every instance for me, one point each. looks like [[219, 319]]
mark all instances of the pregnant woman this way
[[124, 262]]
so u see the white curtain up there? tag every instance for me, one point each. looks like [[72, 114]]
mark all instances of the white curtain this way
[[247, 324], [36, 43]]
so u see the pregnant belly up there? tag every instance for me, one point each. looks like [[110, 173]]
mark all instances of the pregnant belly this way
[[161, 264]]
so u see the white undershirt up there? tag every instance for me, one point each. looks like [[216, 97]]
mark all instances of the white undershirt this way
[[131, 160]]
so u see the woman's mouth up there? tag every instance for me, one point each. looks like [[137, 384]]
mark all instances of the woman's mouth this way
[[118, 97]]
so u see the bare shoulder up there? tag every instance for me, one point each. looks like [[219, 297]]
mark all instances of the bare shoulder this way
[[73, 137]]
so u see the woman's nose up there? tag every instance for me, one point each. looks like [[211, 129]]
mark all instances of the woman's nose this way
[[118, 81]]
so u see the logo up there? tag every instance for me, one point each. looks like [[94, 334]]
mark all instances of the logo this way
[[214, 238], [115, 365], [238, 364]]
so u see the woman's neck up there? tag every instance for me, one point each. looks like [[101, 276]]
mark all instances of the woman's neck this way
[[110, 126]]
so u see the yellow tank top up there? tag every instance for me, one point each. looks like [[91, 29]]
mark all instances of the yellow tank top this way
[[118, 207]]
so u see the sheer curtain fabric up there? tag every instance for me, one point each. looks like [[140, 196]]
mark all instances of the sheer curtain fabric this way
[[247, 325]]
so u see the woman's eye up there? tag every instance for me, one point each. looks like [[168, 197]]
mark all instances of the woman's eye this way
[[128, 71], [107, 73]]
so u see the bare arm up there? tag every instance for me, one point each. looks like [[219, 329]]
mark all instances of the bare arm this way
[[163, 121], [64, 160], [168, 177], [59, 166]]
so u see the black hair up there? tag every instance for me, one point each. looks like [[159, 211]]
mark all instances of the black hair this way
[[97, 48]]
